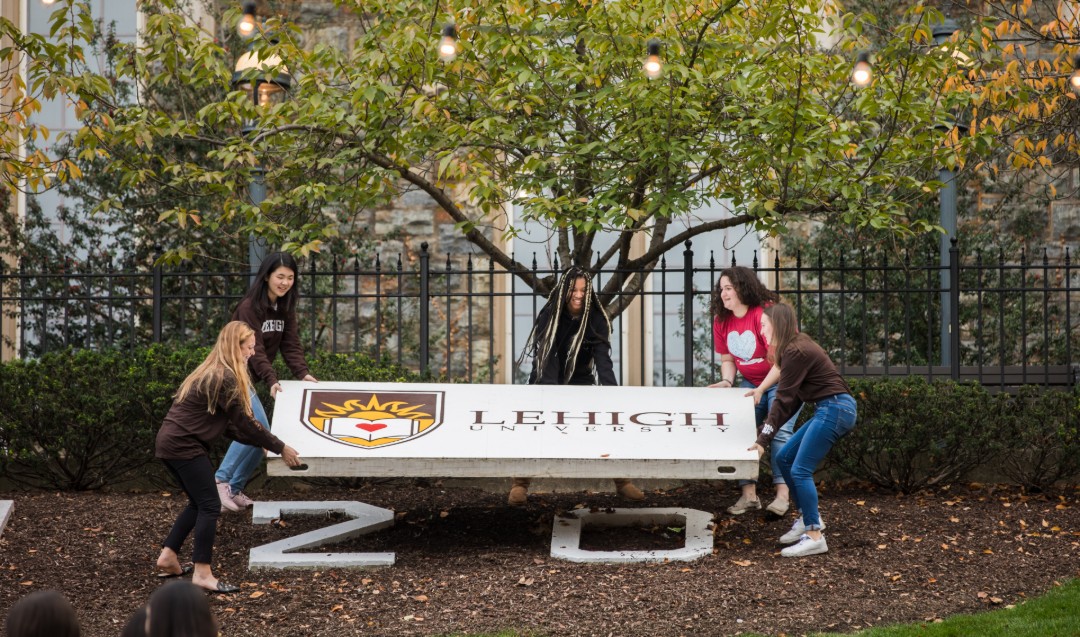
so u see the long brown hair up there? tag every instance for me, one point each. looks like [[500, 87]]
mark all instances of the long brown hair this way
[[785, 330], [226, 357], [750, 289]]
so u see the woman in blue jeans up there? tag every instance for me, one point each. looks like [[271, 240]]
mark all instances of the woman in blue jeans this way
[[807, 375], [269, 308]]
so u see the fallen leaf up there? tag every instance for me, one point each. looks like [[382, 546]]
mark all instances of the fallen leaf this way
[[365, 581], [685, 570], [421, 598], [954, 519], [742, 562], [882, 547], [337, 607], [861, 503], [256, 595], [605, 455], [996, 600], [27, 583], [443, 514], [982, 595]]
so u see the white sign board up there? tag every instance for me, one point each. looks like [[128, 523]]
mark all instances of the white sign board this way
[[557, 431]]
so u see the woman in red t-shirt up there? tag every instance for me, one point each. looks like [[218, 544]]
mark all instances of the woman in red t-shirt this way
[[737, 303]]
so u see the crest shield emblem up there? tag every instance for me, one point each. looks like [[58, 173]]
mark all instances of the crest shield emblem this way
[[368, 419]]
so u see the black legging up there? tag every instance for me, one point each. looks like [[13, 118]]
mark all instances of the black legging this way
[[196, 478]]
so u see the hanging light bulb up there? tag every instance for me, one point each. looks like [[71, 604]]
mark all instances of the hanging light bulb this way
[[1074, 79], [448, 43], [653, 67], [863, 73], [246, 26], [48, 3]]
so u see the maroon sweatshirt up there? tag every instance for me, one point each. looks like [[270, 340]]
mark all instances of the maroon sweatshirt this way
[[189, 428], [807, 374], [274, 330]]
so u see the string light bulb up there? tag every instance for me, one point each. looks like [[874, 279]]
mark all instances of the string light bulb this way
[[1074, 79], [48, 3], [653, 67], [448, 43], [862, 73], [246, 26]]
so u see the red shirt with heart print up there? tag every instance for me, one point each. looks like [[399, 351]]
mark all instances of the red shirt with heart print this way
[[741, 338]]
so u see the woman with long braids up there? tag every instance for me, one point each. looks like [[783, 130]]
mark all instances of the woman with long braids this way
[[570, 345], [807, 375]]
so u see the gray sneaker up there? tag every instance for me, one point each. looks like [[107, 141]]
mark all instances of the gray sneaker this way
[[779, 507], [806, 546], [743, 505], [796, 532]]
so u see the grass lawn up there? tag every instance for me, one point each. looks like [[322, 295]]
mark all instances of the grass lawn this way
[[1056, 614]]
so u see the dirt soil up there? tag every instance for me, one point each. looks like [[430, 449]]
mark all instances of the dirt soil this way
[[467, 564]]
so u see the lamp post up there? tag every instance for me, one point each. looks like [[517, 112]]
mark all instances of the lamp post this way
[[264, 89], [947, 214]]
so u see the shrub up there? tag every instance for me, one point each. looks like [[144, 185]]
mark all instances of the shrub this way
[[78, 420], [1043, 433], [912, 434]]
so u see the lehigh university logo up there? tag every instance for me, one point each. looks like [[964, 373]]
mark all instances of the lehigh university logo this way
[[369, 419]]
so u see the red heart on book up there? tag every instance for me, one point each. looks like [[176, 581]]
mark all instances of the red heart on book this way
[[372, 427]]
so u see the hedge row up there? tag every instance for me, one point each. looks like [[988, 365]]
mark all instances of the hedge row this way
[[83, 420], [77, 420]]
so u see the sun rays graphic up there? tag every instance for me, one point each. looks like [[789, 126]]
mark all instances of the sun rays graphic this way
[[371, 422]]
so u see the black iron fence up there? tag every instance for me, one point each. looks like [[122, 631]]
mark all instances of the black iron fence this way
[[1003, 322]]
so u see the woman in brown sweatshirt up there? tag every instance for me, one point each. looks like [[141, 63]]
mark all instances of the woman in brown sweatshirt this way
[[213, 400], [807, 375], [269, 308]]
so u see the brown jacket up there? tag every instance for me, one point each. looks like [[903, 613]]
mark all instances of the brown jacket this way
[[189, 428], [274, 330], [807, 374]]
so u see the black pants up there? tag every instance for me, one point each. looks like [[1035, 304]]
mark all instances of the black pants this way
[[196, 478]]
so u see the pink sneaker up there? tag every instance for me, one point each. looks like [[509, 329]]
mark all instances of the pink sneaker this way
[[226, 497], [242, 500]]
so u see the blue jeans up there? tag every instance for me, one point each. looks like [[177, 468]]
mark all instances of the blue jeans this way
[[761, 410], [242, 460], [833, 418]]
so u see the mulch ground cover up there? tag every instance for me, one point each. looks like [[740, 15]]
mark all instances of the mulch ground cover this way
[[466, 563]]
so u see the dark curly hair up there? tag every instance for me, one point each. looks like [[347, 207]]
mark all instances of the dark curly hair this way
[[750, 289]]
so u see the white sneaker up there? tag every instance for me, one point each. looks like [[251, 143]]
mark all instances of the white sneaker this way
[[796, 532], [225, 495], [806, 546]]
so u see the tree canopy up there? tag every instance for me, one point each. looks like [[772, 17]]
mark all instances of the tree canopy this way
[[545, 107]]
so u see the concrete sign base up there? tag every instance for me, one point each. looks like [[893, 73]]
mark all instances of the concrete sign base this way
[[6, 508], [281, 554], [566, 534]]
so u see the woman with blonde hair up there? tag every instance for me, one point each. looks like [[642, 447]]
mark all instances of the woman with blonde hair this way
[[213, 400]]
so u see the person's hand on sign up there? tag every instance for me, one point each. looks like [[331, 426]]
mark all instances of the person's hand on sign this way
[[759, 448], [289, 455], [757, 393]]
